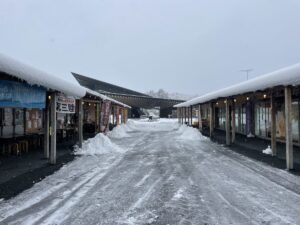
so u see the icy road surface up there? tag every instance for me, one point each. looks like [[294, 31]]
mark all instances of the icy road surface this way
[[158, 173]]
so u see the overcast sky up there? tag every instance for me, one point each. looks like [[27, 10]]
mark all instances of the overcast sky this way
[[187, 46]]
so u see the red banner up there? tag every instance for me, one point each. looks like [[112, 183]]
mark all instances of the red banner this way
[[105, 113]]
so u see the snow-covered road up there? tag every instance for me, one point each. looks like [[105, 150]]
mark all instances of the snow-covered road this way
[[158, 173]]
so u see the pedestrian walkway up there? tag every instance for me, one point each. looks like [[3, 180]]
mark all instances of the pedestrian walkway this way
[[253, 147], [18, 173]]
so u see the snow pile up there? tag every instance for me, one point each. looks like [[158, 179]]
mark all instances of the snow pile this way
[[98, 145], [189, 133], [121, 131], [152, 126], [268, 151]]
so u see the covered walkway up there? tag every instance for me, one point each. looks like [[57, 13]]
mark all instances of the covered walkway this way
[[266, 107]]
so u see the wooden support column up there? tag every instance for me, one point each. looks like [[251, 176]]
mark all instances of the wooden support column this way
[[125, 115], [227, 124], [191, 108], [211, 121], [117, 115], [184, 115], [180, 115], [47, 130], [187, 115], [53, 129], [199, 118], [181, 112], [122, 115], [80, 123], [288, 125], [273, 126], [97, 130], [113, 115], [233, 122]]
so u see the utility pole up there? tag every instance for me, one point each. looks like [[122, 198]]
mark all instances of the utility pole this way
[[247, 71]]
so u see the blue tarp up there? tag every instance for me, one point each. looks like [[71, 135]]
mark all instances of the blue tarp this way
[[21, 95]]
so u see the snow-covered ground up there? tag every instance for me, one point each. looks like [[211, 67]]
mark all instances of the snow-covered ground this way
[[158, 173]]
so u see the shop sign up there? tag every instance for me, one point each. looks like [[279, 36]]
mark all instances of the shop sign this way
[[21, 95], [65, 104]]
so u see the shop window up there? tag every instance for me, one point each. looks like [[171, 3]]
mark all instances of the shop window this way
[[240, 119], [221, 118], [66, 120], [89, 115], [8, 121], [263, 119], [280, 121], [295, 121], [34, 120], [19, 121]]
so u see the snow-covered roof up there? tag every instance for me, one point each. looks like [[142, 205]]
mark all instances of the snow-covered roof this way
[[283, 77], [37, 77], [104, 97]]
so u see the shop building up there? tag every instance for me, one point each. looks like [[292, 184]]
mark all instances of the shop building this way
[[266, 107], [39, 110]]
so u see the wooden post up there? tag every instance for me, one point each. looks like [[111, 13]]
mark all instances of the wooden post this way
[[184, 115], [122, 115], [273, 125], [211, 121], [113, 115], [181, 115], [189, 115], [233, 122], [191, 108], [47, 129], [199, 117], [125, 115], [288, 125], [53, 129], [97, 130], [118, 115], [227, 123], [100, 109], [80, 123]]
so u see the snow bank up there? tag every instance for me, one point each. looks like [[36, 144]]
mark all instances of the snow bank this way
[[121, 131], [189, 133], [268, 151], [156, 125], [98, 145]]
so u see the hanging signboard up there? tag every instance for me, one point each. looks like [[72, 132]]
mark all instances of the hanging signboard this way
[[65, 104], [105, 113], [21, 95]]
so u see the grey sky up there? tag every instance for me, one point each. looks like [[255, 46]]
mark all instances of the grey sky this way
[[181, 46]]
